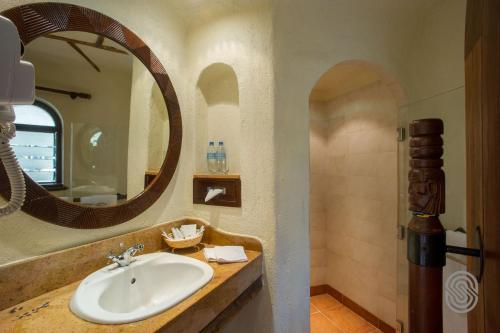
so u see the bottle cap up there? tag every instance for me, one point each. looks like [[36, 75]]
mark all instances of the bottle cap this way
[[211, 143], [221, 143]]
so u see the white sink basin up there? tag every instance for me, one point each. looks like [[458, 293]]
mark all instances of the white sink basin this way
[[150, 285]]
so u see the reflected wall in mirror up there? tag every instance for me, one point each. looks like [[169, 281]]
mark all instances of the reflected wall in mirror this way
[[106, 114], [99, 124]]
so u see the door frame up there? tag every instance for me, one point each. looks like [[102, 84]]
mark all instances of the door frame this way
[[482, 91]]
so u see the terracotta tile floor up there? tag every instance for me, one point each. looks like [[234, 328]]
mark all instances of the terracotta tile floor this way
[[330, 316]]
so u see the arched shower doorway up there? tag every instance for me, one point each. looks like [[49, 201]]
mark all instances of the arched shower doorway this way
[[354, 196]]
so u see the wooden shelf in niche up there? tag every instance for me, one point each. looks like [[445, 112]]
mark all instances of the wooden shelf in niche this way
[[149, 176], [232, 184]]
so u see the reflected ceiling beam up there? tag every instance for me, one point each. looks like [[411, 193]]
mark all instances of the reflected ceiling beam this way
[[82, 42], [72, 94], [99, 41], [79, 50]]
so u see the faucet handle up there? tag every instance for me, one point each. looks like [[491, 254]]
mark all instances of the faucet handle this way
[[110, 256], [134, 249]]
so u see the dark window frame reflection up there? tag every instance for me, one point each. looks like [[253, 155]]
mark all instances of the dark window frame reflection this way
[[57, 131]]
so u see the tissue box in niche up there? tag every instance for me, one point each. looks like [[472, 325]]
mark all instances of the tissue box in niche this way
[[231, 183]]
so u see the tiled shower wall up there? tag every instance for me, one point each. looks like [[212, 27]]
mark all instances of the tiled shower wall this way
[[317, 209], [354, 178]]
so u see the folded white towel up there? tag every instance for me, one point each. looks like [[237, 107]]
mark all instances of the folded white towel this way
[[225, 254], [209, 253]]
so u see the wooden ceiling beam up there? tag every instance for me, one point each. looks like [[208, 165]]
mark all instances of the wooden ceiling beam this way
[[72, 94], [82, 42], [99, 41], [79, 50]]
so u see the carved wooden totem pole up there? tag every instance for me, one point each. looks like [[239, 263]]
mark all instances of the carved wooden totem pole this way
[[426, 235]]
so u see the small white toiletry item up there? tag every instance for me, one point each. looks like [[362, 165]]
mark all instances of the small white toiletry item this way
[[230, 254], [209, 253], [225, 254], [177, 234], [176, 239], [213, 192], [188, 230]]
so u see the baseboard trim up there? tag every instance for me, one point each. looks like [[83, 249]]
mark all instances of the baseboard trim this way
[[318, 290], [355, 307]]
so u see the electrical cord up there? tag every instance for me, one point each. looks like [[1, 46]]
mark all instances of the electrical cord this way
[[13, 170]]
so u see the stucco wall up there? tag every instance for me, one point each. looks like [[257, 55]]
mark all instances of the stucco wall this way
[[277, 54], [241, 41], [309, 38]]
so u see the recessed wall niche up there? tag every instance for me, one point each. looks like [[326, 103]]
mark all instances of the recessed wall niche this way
[[217, 106]]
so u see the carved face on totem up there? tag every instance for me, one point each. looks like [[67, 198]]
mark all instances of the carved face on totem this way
[[426, 191]]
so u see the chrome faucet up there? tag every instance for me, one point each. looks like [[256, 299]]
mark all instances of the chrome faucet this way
[[127, 257]]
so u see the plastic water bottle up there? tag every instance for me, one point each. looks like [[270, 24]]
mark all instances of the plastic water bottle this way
[[221, 158], [212, 158]]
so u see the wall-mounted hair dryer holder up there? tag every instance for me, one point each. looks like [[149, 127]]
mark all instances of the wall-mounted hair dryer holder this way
[[17, 86]]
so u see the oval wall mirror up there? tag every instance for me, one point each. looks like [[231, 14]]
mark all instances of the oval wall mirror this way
[[102, 140]]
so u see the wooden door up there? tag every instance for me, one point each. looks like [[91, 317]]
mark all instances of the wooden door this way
[[482, 84]]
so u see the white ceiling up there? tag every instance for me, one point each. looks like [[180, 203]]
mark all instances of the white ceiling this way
[[195, 12]]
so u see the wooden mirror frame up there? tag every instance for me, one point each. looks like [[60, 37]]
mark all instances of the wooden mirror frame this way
[[35, 20]]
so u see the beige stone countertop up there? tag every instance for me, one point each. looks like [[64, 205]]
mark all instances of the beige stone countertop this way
[[50, 312]]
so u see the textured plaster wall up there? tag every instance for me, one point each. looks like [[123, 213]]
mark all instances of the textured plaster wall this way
[[309, 38], [241, 41], [22, 236], [277, 54]]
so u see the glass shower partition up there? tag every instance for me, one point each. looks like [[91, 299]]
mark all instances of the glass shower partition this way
[[95, 153], [450, 107]]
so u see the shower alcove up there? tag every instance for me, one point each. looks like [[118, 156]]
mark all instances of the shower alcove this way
[[354, 189]]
